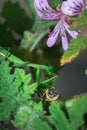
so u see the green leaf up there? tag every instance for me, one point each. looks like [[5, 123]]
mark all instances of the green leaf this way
[[41, 125], [20, 76], [58, 118], [80, 21], [8, 102], [28, 39], [27, 117], [77, 112], [26, 114], [14, 89], [75, 47], [25, 89], [41, 24], [31, 40], [56, 3]]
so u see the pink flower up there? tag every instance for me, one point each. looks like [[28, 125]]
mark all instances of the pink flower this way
[[44, 11], [61, 29], [73, 7]]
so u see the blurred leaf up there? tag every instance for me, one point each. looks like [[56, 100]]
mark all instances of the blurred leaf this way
[[77, 111], [80, 21], [26, 114], [15, 22], [30, 4], [6, 36], [57, 118], [41, 125], [31, 40], [40, 24], [28, 39], [56, 3], [15, 17], [75, 47]]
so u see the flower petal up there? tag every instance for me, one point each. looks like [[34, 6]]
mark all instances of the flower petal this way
[[73, 7], [45, 11], [53, 36], [73, 34], [79, 3], [64, 39], [42, 5]]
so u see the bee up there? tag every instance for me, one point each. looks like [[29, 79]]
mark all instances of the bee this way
[[50, 95]]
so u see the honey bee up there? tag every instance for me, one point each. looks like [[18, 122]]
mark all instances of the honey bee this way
[[50, 95]]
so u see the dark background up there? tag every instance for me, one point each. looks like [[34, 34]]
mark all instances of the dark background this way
[[72, 79]]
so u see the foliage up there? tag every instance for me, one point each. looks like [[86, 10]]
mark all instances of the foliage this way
[[80, 21], [79, 44], [23, 83], [17, 86], [77, 111], [43, 125], [58, 118], [31, 40], [56, 3], [17, 99], [26, 114], [75, 47], [13, 27], [14, 89]]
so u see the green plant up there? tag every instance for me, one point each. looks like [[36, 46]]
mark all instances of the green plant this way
[[28, 69]]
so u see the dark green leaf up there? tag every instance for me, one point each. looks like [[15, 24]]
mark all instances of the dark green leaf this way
[[16, 17], [15, 23]]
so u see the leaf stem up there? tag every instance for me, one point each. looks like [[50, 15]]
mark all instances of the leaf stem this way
[[49, 80]]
